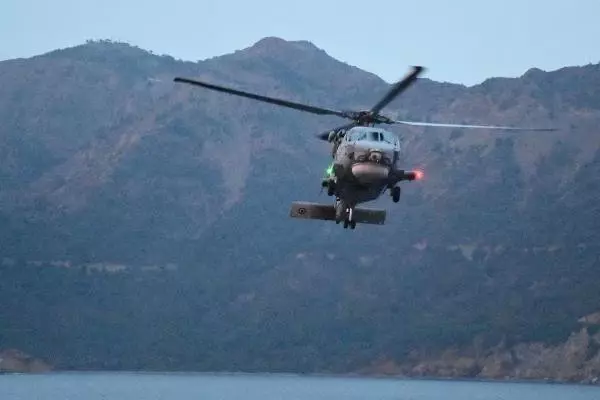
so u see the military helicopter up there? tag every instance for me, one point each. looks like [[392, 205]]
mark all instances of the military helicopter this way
[[366, 159]]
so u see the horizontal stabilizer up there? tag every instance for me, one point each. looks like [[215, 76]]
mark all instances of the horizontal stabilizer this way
[[306, 210]]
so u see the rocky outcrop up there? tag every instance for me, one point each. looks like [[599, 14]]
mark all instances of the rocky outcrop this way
[[12, 360], [591, 319], [576, 360]]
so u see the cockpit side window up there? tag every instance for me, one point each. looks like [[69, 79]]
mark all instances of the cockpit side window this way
[[389, 138]]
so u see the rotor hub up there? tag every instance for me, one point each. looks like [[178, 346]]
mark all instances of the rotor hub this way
[[366, 118]]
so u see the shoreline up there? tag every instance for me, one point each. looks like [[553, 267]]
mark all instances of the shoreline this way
[[309, 375]]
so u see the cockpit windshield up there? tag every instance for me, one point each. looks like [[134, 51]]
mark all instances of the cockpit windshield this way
[[371, 135], [355, 135]]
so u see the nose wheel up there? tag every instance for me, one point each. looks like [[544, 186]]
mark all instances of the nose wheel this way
[[349, 222], [345, 213]]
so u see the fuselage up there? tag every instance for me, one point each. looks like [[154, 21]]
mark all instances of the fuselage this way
[[364, 163]]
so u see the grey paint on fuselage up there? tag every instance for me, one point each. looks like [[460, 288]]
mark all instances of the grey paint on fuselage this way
[[365, 164]]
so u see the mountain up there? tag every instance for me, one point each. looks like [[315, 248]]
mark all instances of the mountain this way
[[144, 224]]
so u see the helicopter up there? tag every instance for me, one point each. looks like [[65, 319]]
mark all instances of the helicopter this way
[[366, 159]]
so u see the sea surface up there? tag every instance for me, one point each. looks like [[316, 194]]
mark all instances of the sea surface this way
[[183, 386]]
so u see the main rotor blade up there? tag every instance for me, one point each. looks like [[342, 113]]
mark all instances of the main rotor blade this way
[[272, 100], [398, 88], [325, 135], [441, 125]]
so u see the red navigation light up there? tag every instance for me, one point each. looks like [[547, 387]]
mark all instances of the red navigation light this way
[[418, 175]]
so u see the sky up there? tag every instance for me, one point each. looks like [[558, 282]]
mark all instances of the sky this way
[[460, 41]]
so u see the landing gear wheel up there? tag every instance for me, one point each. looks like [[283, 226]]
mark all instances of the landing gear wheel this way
[[396, 194], [352, 224], [330, 188], [345, 224]]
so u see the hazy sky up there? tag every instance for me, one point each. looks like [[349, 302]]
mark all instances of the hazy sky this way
[[462, 41]]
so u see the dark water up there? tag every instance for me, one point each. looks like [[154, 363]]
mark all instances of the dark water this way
[[130, 386]]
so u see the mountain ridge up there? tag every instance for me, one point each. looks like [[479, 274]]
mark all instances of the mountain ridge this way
[[265, 45]]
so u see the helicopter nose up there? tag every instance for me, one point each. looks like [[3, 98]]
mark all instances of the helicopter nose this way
[[367, 172], [371, 163]]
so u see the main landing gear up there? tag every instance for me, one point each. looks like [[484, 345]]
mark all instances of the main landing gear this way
[[330, 185], [395, 193]]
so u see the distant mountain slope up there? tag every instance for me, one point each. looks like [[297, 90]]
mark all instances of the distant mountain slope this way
[[104, 161]]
